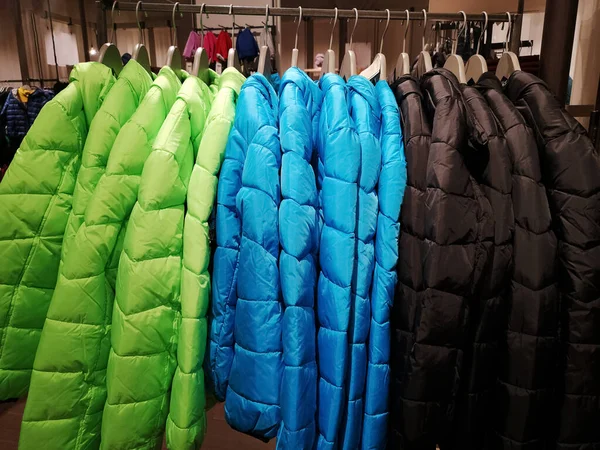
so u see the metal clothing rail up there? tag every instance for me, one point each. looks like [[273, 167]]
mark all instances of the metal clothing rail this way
[[306, 12]]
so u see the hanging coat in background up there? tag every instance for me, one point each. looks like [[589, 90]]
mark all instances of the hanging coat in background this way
[[246, 45], [390, 191], [35, 201], [100, 236], [299, 113], [223, 43], [252, 404], [570, 173], [525, 393], [412, 249], [226, 256], [459, 235], [68, 383], [144, 343], [489, 162], [19, 113], [365, 111], [186, 424], [339, 168]]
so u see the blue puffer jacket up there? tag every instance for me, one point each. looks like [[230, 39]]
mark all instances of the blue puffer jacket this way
[[299, 108], [339, 164], [252, 398], [390, 191], [20, 116], [365, 112]]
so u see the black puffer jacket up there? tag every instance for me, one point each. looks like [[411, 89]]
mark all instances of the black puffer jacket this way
[[412, 249], [525, 392], [491, 166], [571, 174], [458, 232]]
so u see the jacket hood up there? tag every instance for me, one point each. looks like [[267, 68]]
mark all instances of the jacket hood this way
[[311, 94], [366, 90], [233, 79], [94, 82], [258, 81]]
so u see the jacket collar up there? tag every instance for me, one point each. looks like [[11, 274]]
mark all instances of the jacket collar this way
[[363, 87]]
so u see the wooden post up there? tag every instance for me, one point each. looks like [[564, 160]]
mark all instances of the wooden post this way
[[21, 50], [84, 31], [557, 45]]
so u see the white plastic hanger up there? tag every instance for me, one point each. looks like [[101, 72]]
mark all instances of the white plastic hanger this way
[[109, 54], [509, 62], [379, 64], [295, 50], [348, 67], [200, 66], [424, 63], [174, 60], [232, 58], [476, 65], [140, 52], [329, 61], [455, 63], [264, 57], [403, 63]]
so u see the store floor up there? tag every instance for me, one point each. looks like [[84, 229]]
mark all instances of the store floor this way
[[219, 436]]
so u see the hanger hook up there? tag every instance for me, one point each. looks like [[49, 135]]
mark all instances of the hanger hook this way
[[266, 17], [354, 27], [424, 29], [232, 20], [387, 24], [138, 6], [405, 30], [174, 25], [333, 28], [508, 32], [298, 27], [201, 25], [483, 31], [464, 27], [112, 19]]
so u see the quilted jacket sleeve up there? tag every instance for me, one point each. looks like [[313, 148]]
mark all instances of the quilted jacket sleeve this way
[[68, 390], [570, 168], [459, 232], [299, 106], [147, 312], [412, 249], [105, 221], [524, 389], [129, 90], [365, 111], [491, 164], [339, 154], [252, 401], [187, 420], [35, 201], [226, 257], [390, 191]]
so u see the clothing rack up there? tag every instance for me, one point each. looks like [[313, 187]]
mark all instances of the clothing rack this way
[[237, 27], [306, 12]]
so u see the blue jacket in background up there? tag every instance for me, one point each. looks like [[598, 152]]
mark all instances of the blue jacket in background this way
[[246, 46], [18, 116], [365, 112], [299, 112], [390, 189], [253, 395], [339, 164]]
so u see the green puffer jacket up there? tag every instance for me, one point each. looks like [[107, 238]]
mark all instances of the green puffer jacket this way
[[147, 309], [186, 423], [68, 389], [35, 201], [122, 181]]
